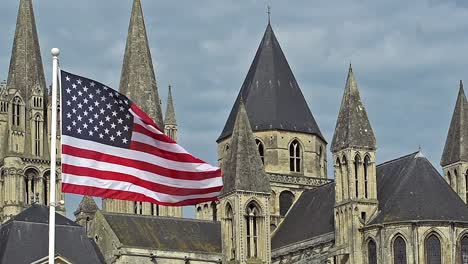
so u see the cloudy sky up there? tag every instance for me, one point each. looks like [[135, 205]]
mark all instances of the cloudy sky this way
[[408, 57]]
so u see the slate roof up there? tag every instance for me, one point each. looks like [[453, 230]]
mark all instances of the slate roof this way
[[243, 168], [353, 128], [166, 233], [271, 94], [456, 145], [409, 189], [138, 81], [311, 216], [24, 238]]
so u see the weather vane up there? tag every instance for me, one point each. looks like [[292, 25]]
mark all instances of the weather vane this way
[[269, 12]]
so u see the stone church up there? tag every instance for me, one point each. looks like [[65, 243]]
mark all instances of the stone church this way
[[279, 204]]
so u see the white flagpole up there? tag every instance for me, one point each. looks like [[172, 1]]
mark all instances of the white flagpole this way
[[53, 159]]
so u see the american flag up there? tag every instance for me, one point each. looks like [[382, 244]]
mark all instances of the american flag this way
[[112, 149]]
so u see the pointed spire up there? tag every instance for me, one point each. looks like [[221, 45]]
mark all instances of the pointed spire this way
[[170, 118], [138, 80], [269, 13], [456, 145], [26, 72], [87, 205], [272, 96], [243, 169], [353, 128]]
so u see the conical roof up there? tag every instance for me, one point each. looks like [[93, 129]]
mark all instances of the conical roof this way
[[26, 72], [243, 169], [456, 145], [272, 96], [353, 128], [170, 118], [138, 81]]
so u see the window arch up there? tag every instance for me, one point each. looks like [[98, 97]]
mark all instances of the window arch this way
[[261, 150], [30, 181], [399, 251], [464, 250], [37, 135], [286, 200], [16, 105], [295, 156], [357, 162], [372, 252], [199, 212], [214, 211], [230, 229], [466, 185], [339, 176], [344, 177], [433, 250], [253, 227], [449, 177], [366, 176], [45, 188]]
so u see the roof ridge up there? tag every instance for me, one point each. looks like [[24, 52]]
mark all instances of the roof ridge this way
[[158, 217], [397, 159]]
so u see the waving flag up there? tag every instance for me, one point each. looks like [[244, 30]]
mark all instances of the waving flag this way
[[112, 149]]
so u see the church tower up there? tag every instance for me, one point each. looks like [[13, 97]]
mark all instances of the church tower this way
[[24, 144], [170, 123], [455, 156], [138, 82], [244, 202], [353, 149], [287, 137]]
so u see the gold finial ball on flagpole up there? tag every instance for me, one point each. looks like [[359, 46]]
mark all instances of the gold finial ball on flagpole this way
[[55, 52]]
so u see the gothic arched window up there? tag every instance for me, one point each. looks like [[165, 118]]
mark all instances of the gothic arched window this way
[[295, 156], [357, 161], [30, 179], [344, 177], [366, 176], [466, 185], [230, 229], [45, 184], [214, 211], [286, 200], [464, 250], [449, 178], [253, 226], [37, 135], [399, 251], [15, 118], [432, 250], [372, 252], [261, 150]]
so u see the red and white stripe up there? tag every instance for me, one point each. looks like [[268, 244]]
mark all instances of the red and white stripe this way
[[154, 169]]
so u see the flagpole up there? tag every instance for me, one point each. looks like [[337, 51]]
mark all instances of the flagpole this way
[[53, 153]]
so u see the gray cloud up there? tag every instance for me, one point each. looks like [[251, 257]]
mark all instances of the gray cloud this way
[[407, 55]]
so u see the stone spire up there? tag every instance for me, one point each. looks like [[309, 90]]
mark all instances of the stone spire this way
[[170, 118], [86, 210], [26, 72], [456, 145], [353, 128], [138, 81], [243, 169]]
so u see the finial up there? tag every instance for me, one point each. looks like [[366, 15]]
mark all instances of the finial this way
[[55, 52], [350, 67], [170, 87], [269, 13], [419, 148], [461, 84]]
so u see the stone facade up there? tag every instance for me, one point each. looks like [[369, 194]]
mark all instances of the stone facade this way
[[24, 124]]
